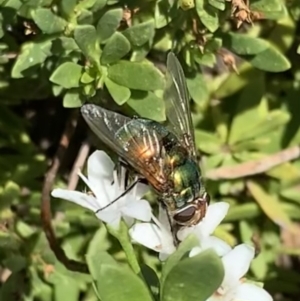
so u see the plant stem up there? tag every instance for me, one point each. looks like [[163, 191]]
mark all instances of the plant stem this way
[[122, 235]]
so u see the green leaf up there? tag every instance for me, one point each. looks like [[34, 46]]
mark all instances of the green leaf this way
[[286, 173], [292, 193], [208, 15], [73, 99], [109, 23], [269, 8], [271, 206], [141, 33], [66, 7], [65, 287], [86, 78], [95, 261], [235, 82], [67, 75], [162, 14], [85, 17], [63, 45], [116, 47], [148, 105], [86, 39], [31, 56], [206, 59], [120, 94], [190, 242], [85, 4], [138, 76], [271, 60], [195, 278], [219, 4], [249, 110], [151, 279], [198, 88], [98, 243], [99, 4], [48, 22], [116, 283], [16, 285], [267, 5], [275, 120], [208, 142], [15, 263], [244, 44], [243, 212]]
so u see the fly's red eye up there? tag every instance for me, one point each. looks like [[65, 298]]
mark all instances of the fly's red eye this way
[[185, 215]]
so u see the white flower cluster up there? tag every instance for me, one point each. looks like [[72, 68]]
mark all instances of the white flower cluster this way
[[156, 234]]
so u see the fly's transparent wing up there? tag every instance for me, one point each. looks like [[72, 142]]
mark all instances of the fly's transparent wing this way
[[105, 124], [138, 144], [177, 104]]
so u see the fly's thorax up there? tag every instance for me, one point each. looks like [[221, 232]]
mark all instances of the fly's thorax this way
[[186, 182]]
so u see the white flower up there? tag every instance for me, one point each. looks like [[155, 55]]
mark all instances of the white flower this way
[[234, 288], [203, 230], [103, 183], [158, 236]]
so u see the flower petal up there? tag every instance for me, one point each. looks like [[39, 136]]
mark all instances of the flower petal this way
[[101, 197], [219, 245], [147, 234], [214, 215], [140, 190], [195, 251], [251, 292], [109, 216], [163, 256], [99, 166], [138, 209], [236, 263], [184, 232], [77, 197]]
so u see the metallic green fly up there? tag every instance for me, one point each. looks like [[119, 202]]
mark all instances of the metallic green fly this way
[[162, 156]]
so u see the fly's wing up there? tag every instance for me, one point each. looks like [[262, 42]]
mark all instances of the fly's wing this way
[[177, 100], [139, 145]]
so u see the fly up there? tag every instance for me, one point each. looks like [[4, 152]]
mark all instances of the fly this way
[[162, 156]]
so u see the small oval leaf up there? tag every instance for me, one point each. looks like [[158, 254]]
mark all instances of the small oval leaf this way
[[244, 44], [120, 94], [48, 22], [138, 76], [141, 33], [148, 105], [86, 39], [271, 60], [109, 23], [129, 286], [195, 278], [67, 75], [116, 47]]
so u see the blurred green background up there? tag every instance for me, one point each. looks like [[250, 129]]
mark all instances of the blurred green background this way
[[242, 66]]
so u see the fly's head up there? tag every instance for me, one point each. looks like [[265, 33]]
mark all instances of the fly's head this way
[[192, 213]]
